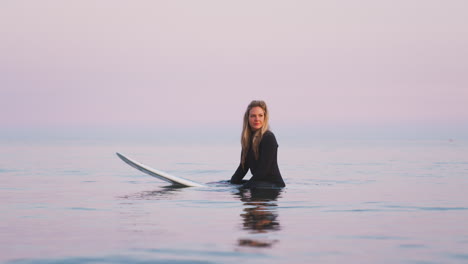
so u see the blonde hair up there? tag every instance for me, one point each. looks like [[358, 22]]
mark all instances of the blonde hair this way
[[248, 137]]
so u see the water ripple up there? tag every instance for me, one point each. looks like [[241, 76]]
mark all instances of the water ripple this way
[[428, 208], [375, 237], [111, 259]]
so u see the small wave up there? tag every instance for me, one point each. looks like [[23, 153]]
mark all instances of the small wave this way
[[375, 237], [413, 246], [75, 172], [427, 208], [451, 163], [7, 170], [111, 259], [462, 256], [82, 209], [208, 253], [355, 210]]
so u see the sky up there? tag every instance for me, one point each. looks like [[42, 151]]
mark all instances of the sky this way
[[154, 64]]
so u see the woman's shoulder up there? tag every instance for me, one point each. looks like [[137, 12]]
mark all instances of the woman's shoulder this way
[[268, 136], [268, 133]]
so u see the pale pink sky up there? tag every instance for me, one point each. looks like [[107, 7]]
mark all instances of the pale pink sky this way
[[120, 63]]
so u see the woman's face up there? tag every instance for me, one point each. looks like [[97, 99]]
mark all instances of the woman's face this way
[[256, 118]]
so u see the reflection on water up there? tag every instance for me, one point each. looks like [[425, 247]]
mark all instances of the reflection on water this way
[[260, 216], [166, 193]]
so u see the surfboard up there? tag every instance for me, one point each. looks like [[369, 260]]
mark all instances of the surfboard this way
[[159, 174]]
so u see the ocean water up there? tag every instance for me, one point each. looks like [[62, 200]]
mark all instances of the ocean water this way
[[349, 201]]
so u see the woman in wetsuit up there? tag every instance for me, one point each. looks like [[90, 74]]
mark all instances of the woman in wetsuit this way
[[259, 150]]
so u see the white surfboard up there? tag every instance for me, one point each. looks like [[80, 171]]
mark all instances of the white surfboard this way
[[160, 174]]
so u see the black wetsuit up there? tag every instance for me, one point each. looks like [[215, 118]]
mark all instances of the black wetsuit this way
[[265, 171]]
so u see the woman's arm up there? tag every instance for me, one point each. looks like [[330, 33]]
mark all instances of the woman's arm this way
[[239, 175]]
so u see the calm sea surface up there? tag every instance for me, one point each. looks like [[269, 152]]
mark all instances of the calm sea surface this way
[[345, 202]]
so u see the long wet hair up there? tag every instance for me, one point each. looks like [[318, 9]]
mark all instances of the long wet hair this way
[[253, 137]]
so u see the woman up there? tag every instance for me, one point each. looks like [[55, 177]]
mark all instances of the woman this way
[[259, 150]]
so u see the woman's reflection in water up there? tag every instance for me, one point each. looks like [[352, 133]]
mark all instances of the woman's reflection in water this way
[[259, 215]]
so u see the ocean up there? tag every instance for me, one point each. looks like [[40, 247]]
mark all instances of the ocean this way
[[346, 201]]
